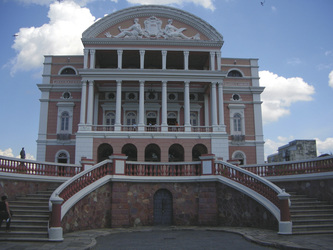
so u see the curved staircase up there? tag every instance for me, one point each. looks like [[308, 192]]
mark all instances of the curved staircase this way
[[310, 216], [30, 218]]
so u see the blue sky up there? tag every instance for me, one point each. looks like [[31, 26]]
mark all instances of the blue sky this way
[[292, 39]]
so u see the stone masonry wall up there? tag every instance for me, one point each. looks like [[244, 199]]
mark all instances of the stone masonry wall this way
[[131, 204], [320, 189], [14, 188], [237, 209]]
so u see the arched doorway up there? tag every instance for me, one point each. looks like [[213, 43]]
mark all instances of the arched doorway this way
[[197, 151], [239, 156], [104, 151], [153, 153], [130, 151], [163, 208], [176, 153]]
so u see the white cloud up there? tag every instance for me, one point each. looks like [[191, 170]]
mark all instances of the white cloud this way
[[7, 152], [48, 2], [207, 4], [330, 79], [271, 146], [325, 147], [60, 36], [280, 93]]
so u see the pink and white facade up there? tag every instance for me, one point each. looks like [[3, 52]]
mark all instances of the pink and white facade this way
[[151, 85]]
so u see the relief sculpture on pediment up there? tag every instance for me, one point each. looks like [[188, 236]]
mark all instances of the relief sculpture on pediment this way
[[152, 30]]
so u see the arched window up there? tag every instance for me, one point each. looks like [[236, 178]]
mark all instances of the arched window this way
[[131, 118], [197, 151], [110, 118], [237, 124], [68, 71], [239, 156], [64, 121], [194, 118], [235, 73], [176, 153], [130, 151], [104, 151], [153, 153], [62, 157]]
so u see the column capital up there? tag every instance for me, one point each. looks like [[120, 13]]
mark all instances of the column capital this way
[[186, 52], [142, 51], [164, 52], [119, 51], [92, 51]]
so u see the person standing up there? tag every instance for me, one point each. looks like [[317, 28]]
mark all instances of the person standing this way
[[22, 154], [5, 213]]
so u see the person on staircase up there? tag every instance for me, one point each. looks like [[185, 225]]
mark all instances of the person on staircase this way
[[5, 213]]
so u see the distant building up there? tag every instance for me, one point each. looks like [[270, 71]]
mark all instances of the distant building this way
[[295, 151], [151, 84]]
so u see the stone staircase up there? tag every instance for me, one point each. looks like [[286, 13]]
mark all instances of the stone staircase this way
[[30, 218], [310, 216]]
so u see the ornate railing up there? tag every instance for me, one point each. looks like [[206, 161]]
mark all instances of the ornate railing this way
[[20, 166], [310, 166], [267, 189], [163, 169], [84, 179]]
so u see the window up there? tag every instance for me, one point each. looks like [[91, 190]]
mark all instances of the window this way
[[64, 121], [68, 71], [237, 123], [194, 118], [235, 73], [110, 118], [131, 118]]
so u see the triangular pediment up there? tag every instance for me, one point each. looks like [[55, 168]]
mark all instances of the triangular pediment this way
[[153, 22]]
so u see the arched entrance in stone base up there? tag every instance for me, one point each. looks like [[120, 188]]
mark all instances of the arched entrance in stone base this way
[[104, 151], [163, 208]]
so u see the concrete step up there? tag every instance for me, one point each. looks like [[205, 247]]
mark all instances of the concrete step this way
[[41, 223], [310, 216], [13, 235], [328, 228], [312, 222]]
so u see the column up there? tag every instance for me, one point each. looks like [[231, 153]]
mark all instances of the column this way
[[120, 58], [164, 125], [83, 103], [206, 101], [141, 125], [218, 57], [214, 104], [118, 107], [221, 106], [90, 103], [142, 59], [92, 58], [86, 55], [212, 60], [187, 106], [164, 59], [186, 56]]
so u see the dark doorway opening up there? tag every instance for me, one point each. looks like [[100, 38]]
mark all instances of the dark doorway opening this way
[[163, 208]]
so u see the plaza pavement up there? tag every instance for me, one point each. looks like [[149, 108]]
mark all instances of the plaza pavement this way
[[261, 238]]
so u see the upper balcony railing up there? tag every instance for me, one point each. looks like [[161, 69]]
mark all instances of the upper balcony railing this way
[[20, 166], [152, 128], [310, 166]]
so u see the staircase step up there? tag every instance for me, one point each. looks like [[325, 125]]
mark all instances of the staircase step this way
[[312, 221], [23, 234]]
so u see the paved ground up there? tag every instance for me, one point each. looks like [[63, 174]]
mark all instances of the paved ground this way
[[179, 238]]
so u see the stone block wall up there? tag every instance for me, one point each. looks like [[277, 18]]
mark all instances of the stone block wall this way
[[129, 204]]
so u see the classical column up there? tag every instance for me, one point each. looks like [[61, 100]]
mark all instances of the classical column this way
[[214, 104], [83, 103], [218, 57], [90, 103], [186, 56], [187, 123], [164, 59], [92, 58], [86, 55], [164, 124], [142, 59], [141, 106], [212, 60], [206, 101], [221, 106], [118, 107], [120, 58]]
